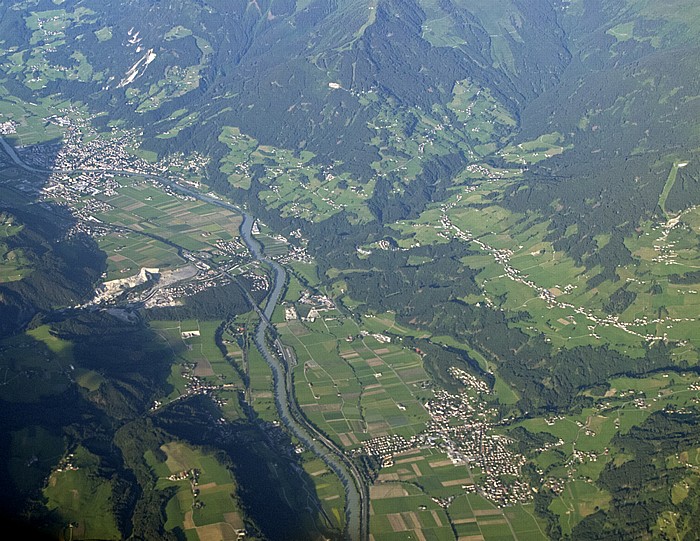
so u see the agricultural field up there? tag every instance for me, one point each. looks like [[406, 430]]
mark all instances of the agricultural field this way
[[471, 515], [485, 118], [521, 272], [82, 498], [184, 120], [404, 508], [130, 252], [583, 442], [355, 389], [529, 152], [199, 361], [273, 245], [294, 186], [361, 386], [33, 451], [204, 506], [31, 122], [404, 511], [14, 265], [150, 227], [260, 387], [329, 489], [518, 271], [298, 187], [34, 365], [405, 139], [49, 29], [194, 225], [48, 58]]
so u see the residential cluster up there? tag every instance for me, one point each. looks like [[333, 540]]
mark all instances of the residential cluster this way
[[198, 386], [318, 301], [8, 127], [468, 380], [490, 174], [67, 463], [232, 247], [461, 425], [386, 447], [295, 254], [173, 295]]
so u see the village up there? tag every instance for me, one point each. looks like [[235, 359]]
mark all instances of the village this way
[[195, 386], [462, 426]]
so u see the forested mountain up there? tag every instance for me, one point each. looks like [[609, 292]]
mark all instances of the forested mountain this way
[[513, 184]]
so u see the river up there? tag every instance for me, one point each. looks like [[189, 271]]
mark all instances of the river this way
[[356, 498], [288, 409]]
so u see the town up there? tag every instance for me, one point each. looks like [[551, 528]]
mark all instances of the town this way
[[462, 426]]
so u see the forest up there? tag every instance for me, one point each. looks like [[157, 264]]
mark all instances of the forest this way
[[574, 122]]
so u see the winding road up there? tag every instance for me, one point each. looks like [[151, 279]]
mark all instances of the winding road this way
[[356, 496]]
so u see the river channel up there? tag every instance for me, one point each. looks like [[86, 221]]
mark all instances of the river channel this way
[[356, 500]]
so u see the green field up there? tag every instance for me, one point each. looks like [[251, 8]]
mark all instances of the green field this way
[[399, 509], [578, 500], [204, 505], [33, 451], [586, 439], [483, 116], [572, 314], [296, 188], [83, 498], [545, 146], [329, 489], [14, 265], [34, 365], [354, 390], [31, 118], [49, 31], [154, 225], [177, 81], [196, 354]]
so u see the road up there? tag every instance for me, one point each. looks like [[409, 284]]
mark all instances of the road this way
[[356, 495]]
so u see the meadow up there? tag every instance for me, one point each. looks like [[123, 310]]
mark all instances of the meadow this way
[[14, 264], [206, 508], [585, 440], [31, 120], [196, 354], [82, 498], [554, 290], [34, 365], [294, 184], [354, 390]]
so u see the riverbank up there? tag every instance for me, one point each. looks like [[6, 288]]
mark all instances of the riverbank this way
[[356, 501]]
